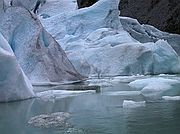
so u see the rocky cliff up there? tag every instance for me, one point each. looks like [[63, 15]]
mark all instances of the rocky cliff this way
[[163, 14]]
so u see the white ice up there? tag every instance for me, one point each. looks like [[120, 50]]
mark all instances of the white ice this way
[[58, 94], [171, 98], [14, 85], [123, 93], [156, 87], [97, 44], [133, 104], [39, 55], [146, 33]]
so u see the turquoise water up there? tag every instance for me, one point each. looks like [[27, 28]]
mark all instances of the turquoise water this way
[[100, 113]]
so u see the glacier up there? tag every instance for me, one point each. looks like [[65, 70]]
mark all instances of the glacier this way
[[52, 7], [145, 33], [14, 85], [41, 58], [97, 44]]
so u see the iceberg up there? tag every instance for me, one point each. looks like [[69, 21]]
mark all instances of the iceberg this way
[[133, 104], [171, 98], [123, 93], [51, 95], [96, 43], [14, 85], [41, 58], [155, 88]]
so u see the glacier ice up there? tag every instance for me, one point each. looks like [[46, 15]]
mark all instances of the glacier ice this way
[[171, 98], [30, 5], [50, 95], [146, 33], [155, 88], [14, 85], [54, 7], [97, 44], [133, 104], [40, 56], [123, 93]]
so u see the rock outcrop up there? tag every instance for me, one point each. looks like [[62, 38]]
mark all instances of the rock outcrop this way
[[163, 14]]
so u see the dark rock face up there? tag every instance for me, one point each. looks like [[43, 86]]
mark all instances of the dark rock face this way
[[85, 3], [163, 14]]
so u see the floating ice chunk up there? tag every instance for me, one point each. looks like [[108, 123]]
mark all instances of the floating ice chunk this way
[[58, 94], [133, 104], [127, 79], [171, 98], [140, 84], [124, 93], [155, 87]]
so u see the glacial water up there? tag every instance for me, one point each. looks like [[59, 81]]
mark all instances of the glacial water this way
[[100, 113]]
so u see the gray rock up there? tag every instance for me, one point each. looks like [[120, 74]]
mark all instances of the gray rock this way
[[54, 120], [163, 14], [85, 3]]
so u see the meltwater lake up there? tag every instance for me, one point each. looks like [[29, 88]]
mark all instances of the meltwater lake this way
[[95, 113]]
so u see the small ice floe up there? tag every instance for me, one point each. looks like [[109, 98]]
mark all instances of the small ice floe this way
[[171, 98], [133, 104], [100, 82], [166, 75], [53, 120], [57, 94], [127, 79], [123, 93], [156, 87]]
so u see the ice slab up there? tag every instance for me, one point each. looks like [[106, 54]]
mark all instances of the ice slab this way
[[156, 87], [123, 93], [171, 98], [58, 94], [133, 104]]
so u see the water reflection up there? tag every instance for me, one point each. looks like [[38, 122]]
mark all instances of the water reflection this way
[[94, 114]]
